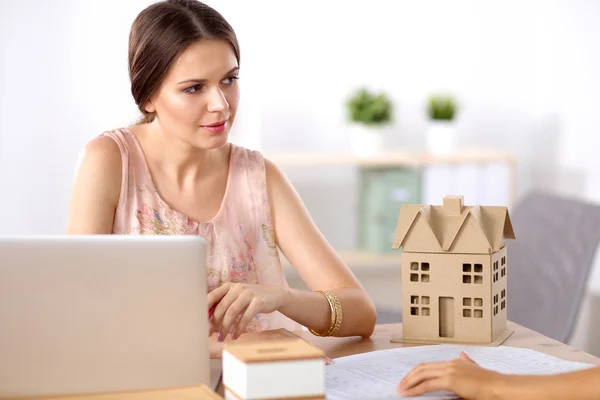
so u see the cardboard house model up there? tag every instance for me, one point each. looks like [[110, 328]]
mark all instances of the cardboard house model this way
[[273, 369], [454, 272]]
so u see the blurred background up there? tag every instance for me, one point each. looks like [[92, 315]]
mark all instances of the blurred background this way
[[365, 105]]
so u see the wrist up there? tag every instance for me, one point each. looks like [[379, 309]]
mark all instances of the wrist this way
[[285, 298], [501, 387], [514, 386]]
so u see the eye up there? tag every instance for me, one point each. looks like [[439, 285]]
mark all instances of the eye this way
[[231, 80], [193, 89]]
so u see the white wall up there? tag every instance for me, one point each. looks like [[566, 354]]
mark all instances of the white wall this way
[[524, 73]]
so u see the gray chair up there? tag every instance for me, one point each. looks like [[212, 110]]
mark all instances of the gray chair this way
[[385, 316], [550, 261]]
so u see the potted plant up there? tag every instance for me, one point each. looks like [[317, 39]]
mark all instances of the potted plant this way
[[441, 133], [370, 113]]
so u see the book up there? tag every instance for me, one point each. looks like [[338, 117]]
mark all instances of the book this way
[[273, 369]]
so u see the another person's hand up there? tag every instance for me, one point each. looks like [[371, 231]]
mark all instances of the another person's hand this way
[[236, 304], [462, 377]]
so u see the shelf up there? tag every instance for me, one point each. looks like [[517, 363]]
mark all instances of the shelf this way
[[358, 260], [387, 159]]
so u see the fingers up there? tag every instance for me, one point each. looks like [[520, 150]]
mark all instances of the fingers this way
[[212, 328], [238, 307], [455, 376], [430, 385], [216, 295], [225, 301], [232, 306], [463, 356], [422, 367], [254, 308], [422, 373]]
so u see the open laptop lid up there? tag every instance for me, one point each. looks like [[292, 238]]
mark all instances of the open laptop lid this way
[[84, 314]]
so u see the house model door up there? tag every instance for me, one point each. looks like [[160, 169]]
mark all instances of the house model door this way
[[446, 316]]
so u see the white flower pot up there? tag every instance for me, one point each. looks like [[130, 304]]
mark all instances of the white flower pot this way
[[366, 140], [441, 137]]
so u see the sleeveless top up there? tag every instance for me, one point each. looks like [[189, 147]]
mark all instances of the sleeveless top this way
[[241, 245]]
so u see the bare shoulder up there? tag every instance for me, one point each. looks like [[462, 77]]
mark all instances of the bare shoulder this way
[[97, 181], [275, 176], [102, 150], [283, 197], [100, 165], [271, 168]]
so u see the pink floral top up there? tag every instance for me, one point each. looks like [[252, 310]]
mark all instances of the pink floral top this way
[[241, 242]]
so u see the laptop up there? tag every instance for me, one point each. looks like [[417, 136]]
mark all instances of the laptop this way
[[100, 313]]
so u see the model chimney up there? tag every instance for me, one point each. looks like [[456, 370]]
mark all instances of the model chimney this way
[[453, 204]]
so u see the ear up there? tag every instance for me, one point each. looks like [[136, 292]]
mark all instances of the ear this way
[[149, 107]]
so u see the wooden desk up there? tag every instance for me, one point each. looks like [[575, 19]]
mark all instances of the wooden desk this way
[[340, 347], [522, 337]]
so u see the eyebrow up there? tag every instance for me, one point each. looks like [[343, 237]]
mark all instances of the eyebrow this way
[[231, 71]]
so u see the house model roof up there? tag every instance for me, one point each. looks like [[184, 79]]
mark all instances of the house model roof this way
[[452, 228]]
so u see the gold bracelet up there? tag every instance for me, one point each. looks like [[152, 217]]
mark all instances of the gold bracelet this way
[[333, 316], [336, 315], [339, 314]]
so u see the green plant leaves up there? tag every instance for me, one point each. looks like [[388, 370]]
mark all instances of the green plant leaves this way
[[369, 108], [441, 107]]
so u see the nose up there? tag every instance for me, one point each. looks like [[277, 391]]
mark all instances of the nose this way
[[217, 101]]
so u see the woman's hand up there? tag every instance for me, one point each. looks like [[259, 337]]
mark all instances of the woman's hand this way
[[236, 304], [462, 377]]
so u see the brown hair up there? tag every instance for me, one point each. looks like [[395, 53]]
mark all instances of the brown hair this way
[[160, 33]]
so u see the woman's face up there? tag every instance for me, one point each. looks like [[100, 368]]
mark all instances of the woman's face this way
[[198, 98]]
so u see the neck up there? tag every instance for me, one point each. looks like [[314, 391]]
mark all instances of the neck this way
[[182, 163]]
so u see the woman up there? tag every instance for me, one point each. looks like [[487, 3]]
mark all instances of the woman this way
[[175, 173], [469, 381]]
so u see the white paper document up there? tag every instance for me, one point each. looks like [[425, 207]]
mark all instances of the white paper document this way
[[375, 375]]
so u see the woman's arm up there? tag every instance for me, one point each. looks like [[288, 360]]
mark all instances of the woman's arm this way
[[96, 188], [317, 264], [233, 305], [580, 385]]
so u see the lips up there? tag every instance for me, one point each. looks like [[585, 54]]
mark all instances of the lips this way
[[215, 124], [214, 128]]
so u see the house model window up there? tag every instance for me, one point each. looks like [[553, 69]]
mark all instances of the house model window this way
[[414, 308], [415, 276], [454, 265]]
